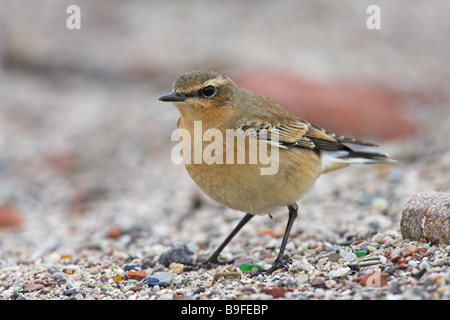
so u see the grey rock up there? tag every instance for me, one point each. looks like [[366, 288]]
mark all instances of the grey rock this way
[[181, 254], [155, 281]]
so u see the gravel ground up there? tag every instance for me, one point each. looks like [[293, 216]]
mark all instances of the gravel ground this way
[[85, 155]]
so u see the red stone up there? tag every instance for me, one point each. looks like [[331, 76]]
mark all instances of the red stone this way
[[33, 287], [276, 292], [137, 275]]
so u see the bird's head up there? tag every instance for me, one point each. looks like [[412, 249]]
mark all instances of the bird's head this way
[[201, 91]]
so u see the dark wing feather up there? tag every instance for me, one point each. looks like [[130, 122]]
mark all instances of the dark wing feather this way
[[299, 133]]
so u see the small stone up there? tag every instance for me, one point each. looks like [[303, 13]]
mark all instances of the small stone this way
[[371, 245], [276, 292], [340, 272], [418, 273], [318, 281], [425, 264], [417, 256], [136, 275], [289, 283], [401, 266], [248, 289], [330, 283], [354, 266], [334, 249], [58, 276], [70, 292], [438, 262], [132, 266], [200, 289], [334, 257], [389, 270], [378, 238], [155, 281], [181, 254], [33, 287], [409, 251], [176, 267], [347, 254], [117, 278], [302, 278]]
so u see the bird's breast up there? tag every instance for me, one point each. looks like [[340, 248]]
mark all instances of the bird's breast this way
[[247, 174]]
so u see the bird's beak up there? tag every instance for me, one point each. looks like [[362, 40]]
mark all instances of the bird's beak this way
[[173, 97]]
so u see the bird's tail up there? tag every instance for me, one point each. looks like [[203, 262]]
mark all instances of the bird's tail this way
[[332, 160]]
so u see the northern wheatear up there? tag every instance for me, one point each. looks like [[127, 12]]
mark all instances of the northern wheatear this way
[[303, 151]]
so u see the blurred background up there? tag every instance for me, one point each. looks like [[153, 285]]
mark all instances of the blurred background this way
[[85, 143]]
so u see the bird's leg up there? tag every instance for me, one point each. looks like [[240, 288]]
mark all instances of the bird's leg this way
[[279, 263], [214, 258]]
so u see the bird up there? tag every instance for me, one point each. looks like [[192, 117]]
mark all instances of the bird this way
[[211, 102]]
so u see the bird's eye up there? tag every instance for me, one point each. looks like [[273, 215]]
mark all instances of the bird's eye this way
[[208, 91]]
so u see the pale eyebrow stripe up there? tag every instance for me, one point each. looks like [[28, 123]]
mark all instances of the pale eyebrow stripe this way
[[219, 80]]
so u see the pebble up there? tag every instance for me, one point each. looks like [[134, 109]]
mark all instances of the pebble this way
[[137, 275], [302, 278], [334, 257], [372, 260], [438, 263], [347, 254], [181, 254], [72, 292], [58, 276], [340, 272], [155, 281], [133, 266], [425, 264], [33, 287], [378, 238], [275, 292], [318, 281], [409, 251], [418, 273], [176, 267]]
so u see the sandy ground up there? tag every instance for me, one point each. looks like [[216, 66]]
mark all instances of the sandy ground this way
[[85, 148]]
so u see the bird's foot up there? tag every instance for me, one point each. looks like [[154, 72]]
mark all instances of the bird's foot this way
[[277, 265]]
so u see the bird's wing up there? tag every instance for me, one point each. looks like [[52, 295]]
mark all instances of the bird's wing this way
[[299, 133]]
